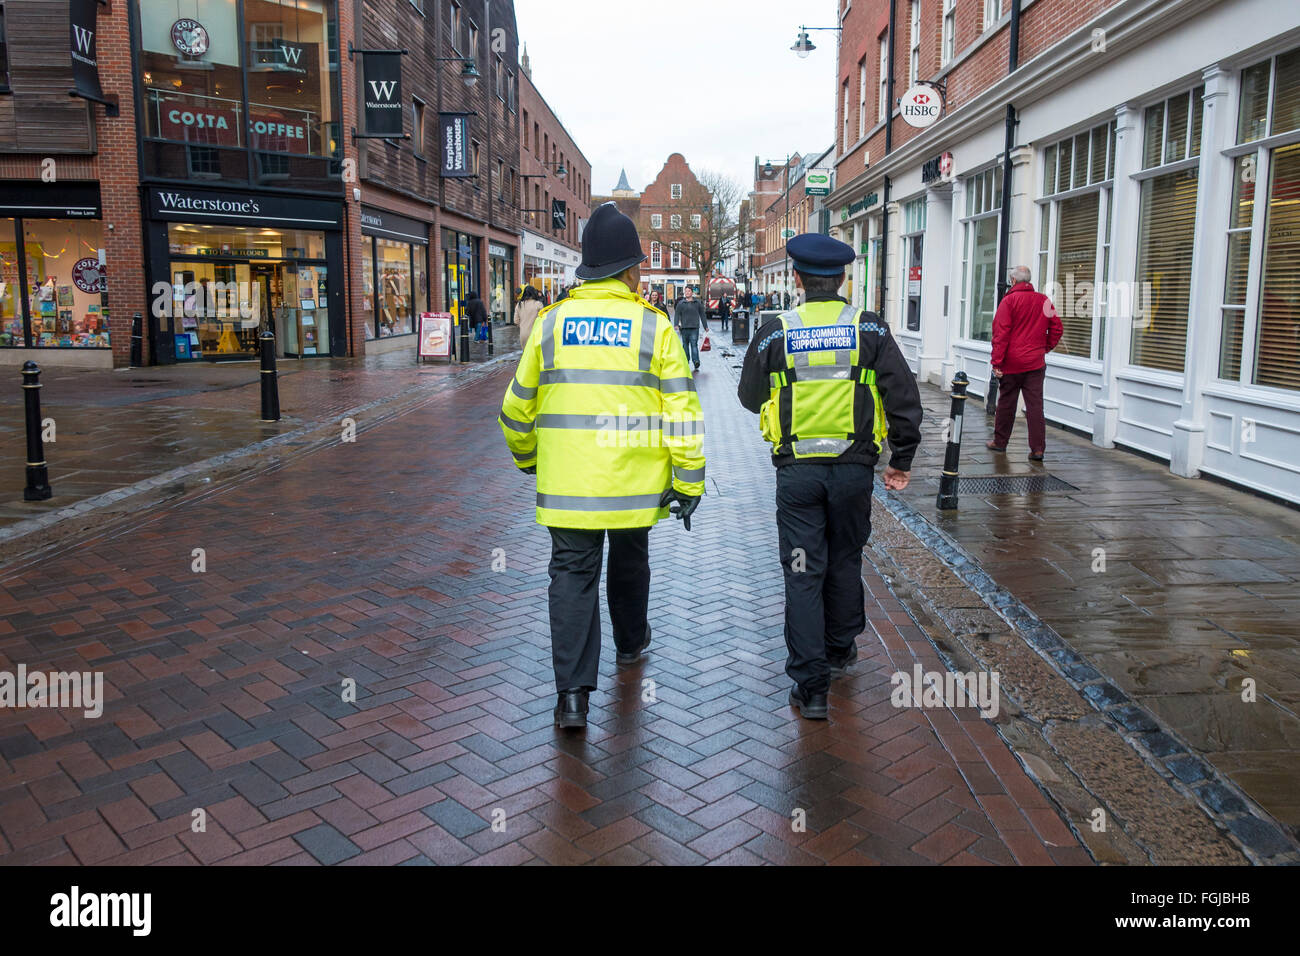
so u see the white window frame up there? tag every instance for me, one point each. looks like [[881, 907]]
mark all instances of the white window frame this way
[[914, 39], [656, 256], [675, 191], [1049, 210], [968, 225], [696, 220], [992, 14], [882, 104], [948, 45], [675, 221], [656, 220], [675, 256], [844, 143], [862, 97]]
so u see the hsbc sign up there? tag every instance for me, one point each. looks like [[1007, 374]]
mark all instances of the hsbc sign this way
[[921, 105]]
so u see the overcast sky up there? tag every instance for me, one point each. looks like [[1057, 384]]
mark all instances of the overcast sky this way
[[714, 80]]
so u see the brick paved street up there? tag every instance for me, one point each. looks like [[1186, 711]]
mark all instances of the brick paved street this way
[[373, 562]]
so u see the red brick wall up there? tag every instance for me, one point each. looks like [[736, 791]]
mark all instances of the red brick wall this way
[[117, 169], [353, 289], [657, 198], [1042, 24], [574, 189]]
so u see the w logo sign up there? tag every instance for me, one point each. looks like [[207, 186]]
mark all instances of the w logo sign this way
[[85, 39], [292, 54], [382, 89]]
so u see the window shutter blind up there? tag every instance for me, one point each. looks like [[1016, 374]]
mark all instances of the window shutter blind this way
[[1277, 349], [1165, 238], [1076, 263]]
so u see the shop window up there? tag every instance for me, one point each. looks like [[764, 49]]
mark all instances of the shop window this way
[[63, 301], [979, 284], [1259, 344], [1073, 247], [1166, 231], [393, 264]]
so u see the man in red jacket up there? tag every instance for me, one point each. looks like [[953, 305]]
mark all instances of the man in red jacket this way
[[1025, 328]]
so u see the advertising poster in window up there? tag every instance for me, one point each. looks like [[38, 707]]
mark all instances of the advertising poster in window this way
[[435, 335]]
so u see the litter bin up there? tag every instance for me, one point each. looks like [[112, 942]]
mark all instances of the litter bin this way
[[739, 327]]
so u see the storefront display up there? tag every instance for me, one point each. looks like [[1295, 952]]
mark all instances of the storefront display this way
[[230, 281], [459, 269], [52, 284], [501, 283], [395, 276]]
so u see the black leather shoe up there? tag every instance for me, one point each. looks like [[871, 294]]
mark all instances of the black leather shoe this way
[[810, 706], [633, 656], [571, 709], [840, 665]]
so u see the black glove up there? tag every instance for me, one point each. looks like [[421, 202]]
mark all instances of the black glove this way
[[685, 505], [530, 470]]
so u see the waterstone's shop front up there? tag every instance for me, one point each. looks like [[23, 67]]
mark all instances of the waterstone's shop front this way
[[226, 265]]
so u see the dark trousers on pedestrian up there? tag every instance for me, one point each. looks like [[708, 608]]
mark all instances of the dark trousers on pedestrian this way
[[724, 317], [823, 519], [575, 599], [1010, 388], [691, 342]]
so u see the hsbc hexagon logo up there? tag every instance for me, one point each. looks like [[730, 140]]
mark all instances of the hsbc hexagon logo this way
[[921, 105]]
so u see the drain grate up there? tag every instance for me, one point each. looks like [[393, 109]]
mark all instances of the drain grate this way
[[1009, 484]]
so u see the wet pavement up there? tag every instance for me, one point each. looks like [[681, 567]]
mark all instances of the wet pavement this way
[[113, 428], [373, 561], [1177, 590]]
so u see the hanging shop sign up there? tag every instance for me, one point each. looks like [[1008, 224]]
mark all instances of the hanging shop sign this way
[[921, 105], [455, 145], [383, 94], [938, 169], [818, 182], [85, 64]]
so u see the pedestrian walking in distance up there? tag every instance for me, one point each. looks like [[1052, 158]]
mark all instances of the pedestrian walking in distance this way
[[530, 304], [829, 385], [602, 409], [1025, 328], [724, 311], [688, 316]]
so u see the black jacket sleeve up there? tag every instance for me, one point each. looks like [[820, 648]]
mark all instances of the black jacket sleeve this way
[[755, 388], [898, 390]]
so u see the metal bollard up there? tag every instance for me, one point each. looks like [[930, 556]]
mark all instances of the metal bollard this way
[[270, 384], [464, 339], [38, 473], [137, 340], [491, 341], [947, 499]]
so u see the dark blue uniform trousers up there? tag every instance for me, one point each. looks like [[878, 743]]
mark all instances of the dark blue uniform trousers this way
[[575, 599], [823, 518]]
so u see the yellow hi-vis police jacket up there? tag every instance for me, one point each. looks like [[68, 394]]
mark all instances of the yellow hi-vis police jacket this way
[[604, 404]]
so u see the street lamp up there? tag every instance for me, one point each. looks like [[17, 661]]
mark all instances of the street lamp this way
[[469, 73], [803, 46], [767, 171]]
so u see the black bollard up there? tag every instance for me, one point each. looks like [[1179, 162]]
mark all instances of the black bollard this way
[[491, 341], [270, 385], [38, 473], [464, 339], [137, 341], [947, 500]]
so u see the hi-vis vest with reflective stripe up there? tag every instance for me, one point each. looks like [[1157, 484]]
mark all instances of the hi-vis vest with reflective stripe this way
[[603, 402], [815, 391]]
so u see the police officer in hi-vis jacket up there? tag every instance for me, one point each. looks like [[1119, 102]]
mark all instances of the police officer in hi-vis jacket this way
[[830, 385], [603, 409]]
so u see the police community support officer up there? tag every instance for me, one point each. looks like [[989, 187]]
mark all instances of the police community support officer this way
[[603, 410], [816, 376]]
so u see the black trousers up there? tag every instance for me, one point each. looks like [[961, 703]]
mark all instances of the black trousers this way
[[575, 599], [823, 518]]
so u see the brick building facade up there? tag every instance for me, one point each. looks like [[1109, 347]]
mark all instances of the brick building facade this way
[[552, 169], [1115, 148]]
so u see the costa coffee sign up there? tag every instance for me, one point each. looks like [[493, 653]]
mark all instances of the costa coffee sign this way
[[88, 276], [217, 126], [921, 105]]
